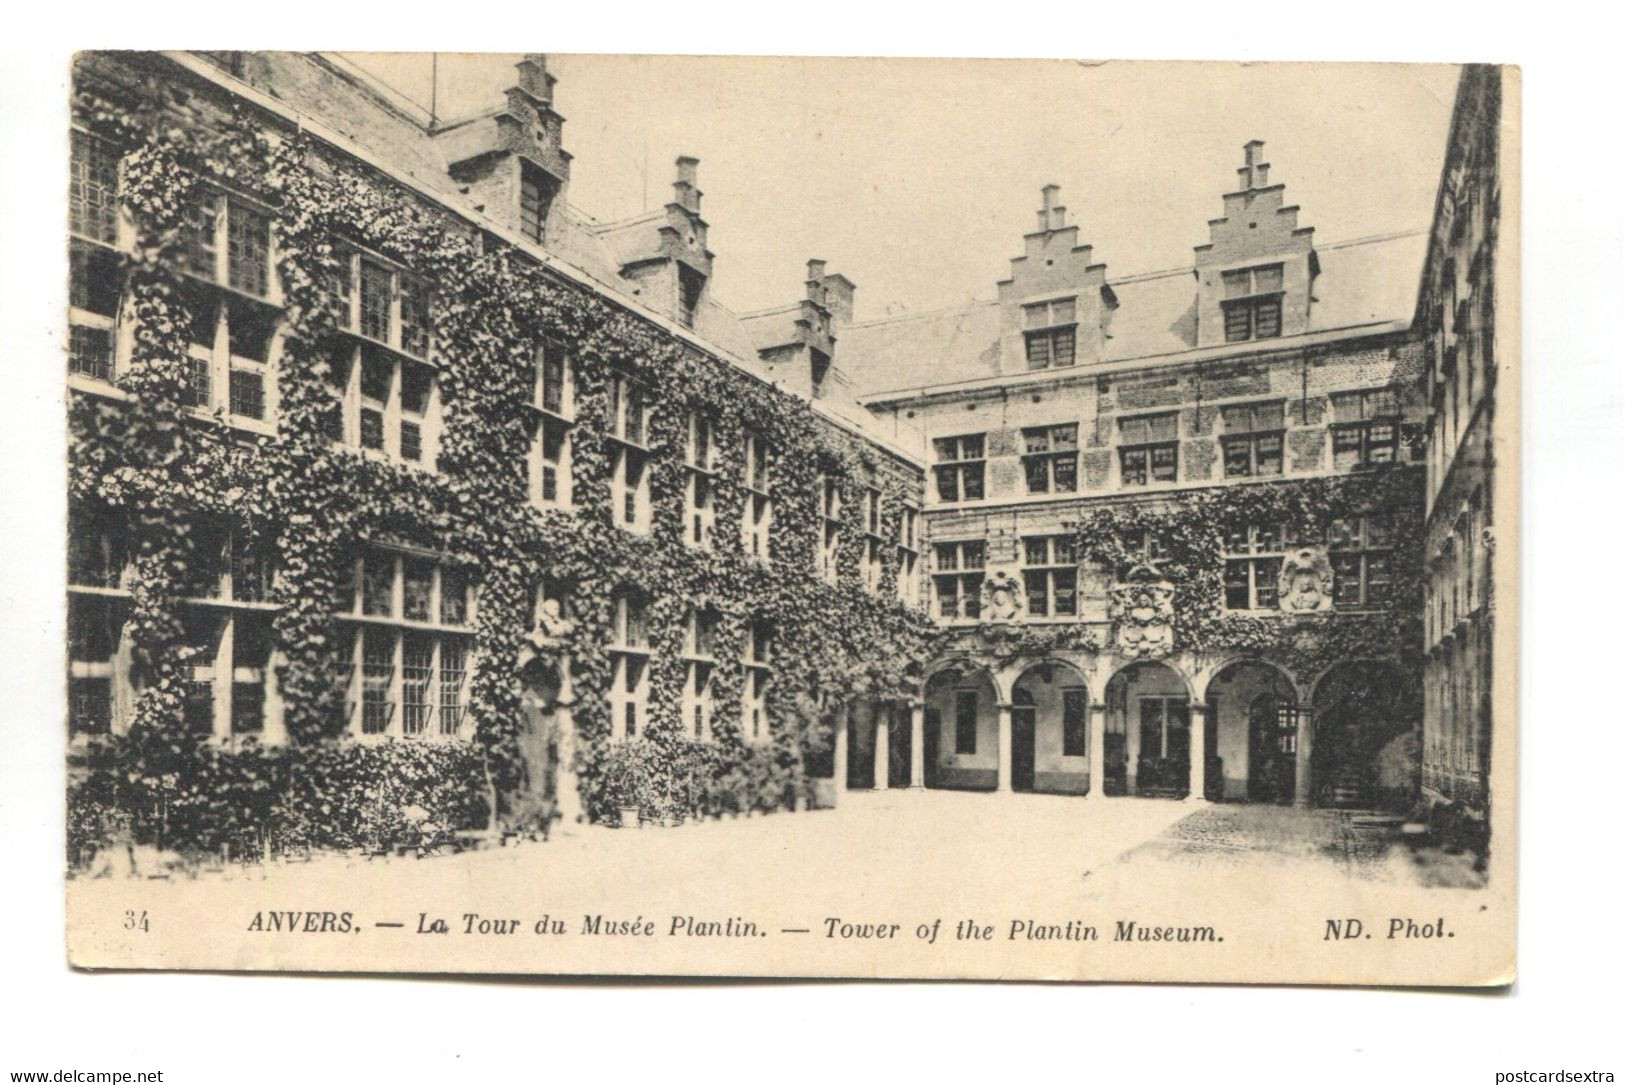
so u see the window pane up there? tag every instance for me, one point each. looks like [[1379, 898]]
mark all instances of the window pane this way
[[1267, 319], [374, 301], [1236, 595], [1237, 283], [1267, 582], [970, 448], [1269, 455], [248, 249], [1037, 583], [1163, 427], [1036, 316], [247, 394], [1037, 440], [1345, 446], [1064, 346], [1164, 463], [1267, 280], [1063, 311], [947, 448], [948, 483], [1037, 474], [1238, 322], [1134, 467], [93, 189], [1037, 350], [1238, 459], [974, 554], [1066, 473], [972, 479]]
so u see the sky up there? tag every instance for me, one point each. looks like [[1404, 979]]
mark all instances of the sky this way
[[917, 178]]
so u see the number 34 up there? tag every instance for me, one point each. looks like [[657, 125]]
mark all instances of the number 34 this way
[[135, 921]]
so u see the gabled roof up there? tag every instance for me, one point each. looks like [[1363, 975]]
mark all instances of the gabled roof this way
[[1367, 283]]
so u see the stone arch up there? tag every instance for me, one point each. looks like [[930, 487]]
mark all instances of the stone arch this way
[[1147, 748], [1252, 720], [1050, 701], [961, 731], [1365, 748]]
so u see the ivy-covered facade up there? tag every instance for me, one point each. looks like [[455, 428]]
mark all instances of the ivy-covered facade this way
[[407, 502], [404, 503], [1174, 520]]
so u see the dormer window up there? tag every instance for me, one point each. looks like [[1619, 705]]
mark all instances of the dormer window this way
[[1051, 331], [1252, 303], [536, 192], [690, 285]]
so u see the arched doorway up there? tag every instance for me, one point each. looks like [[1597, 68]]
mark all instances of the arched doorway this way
[[1365, 751], [1252, 747], [1049, 732], [961, 744], [1148, 732]]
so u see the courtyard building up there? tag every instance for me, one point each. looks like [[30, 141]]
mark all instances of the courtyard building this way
[[399, 481]]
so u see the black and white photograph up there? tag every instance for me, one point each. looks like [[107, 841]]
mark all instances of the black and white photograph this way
[[791, 517]]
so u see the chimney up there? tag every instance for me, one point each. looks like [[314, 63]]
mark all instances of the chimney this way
[[815, 280], [1256, 172], [533, 77], [1051, 216], [686, 188], [839, 291]]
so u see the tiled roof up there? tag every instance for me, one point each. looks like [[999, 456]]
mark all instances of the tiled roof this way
[[1370, 281]]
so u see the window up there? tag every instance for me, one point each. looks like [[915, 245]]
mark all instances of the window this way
[[908, 555], [829, 512], [1251, 436], [91, 352], [247, 394], [416, 383], [1149, 448], [377, 680], [95, 281], [93, 189], [94, 286], [629, 457], [1252, 567], [1050, 575], [1365, 428], [1074, 723], [758, 510], [1143, 548], [417, 673], [200, 654], [871, 535], [414, 316], [248, 250], [96, 549], [94, 624], [201, 255], [1050, 456], [250, 661], [552, 439], [959, 468], [1252, 303], [249, 562], [536, 192], [1051, 332], [375, 301], [958, 578], [1362, 553], [758, 672], [699, 515], [700, 664], [453, 676], [629, 664], [1165, 728], [965, 721]]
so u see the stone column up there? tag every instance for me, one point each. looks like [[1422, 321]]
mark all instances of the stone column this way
[[916, 744], [1097, 751], [841, 719], [1198, 784], [882, 768], [1303, 785], [1006, 726], [1131, 742]]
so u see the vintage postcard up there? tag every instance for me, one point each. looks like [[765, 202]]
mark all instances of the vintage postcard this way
[[1025, 520]]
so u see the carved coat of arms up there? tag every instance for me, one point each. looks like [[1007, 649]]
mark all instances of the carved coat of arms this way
[[1306, 581], [1143, 610], [1002, 599]]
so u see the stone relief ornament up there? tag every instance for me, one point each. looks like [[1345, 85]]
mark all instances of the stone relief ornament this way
[[1143, 609], [545, 639], [1002, 599], [1306, 581]]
